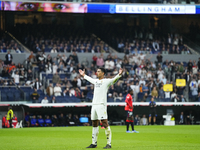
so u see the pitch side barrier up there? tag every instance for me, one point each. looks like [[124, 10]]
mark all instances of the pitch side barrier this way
[[111, 104], [113, 108], [120, 104], [113, 8]]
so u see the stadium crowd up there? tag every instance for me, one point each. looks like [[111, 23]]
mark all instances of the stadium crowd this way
[[145, 77], [61, 39], [6, 44]]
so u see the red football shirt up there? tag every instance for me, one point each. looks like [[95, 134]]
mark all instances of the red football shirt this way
[[129, 103]]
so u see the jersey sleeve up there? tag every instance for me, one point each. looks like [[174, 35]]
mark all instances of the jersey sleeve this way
[[89, 79], [113, 80]]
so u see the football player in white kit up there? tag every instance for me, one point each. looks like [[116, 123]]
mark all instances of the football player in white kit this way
[[99, 104]]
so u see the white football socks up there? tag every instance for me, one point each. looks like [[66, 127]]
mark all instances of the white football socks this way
[[108, 135], [95, 133]]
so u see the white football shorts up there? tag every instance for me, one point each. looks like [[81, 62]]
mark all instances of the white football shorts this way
[[99, 112]]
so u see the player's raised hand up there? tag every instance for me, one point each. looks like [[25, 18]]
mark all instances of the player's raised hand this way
[[120, 71], [82, 72]]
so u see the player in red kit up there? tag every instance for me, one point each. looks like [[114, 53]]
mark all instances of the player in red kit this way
[[129, 110]]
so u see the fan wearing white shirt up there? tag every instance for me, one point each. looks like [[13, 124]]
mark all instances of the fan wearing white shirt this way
[[142, 82], [16, 77], [99, 104], [57, 90], [45, 100], [55, 67]]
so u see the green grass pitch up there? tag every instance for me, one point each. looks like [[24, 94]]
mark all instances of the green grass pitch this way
[[77, 138]]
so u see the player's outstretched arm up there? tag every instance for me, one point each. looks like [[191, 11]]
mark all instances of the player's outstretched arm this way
[[82, 73], [115, 79]]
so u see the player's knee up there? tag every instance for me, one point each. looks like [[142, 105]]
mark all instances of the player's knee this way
[[105, 124]]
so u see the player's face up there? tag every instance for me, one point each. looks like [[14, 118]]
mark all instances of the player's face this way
[[99, 73]]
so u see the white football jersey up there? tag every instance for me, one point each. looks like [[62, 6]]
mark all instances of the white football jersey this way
[[101, 88]]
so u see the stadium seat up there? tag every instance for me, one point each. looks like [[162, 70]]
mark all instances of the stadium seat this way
[[110, 100], [118, 100], [140, 96], [10, 96], [3, 97], [17, 96]]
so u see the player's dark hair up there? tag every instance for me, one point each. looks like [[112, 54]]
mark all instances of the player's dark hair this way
[[130, 90], [103, 70], [10, 107]]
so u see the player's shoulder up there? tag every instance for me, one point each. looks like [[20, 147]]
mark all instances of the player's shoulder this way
[[128, 96]]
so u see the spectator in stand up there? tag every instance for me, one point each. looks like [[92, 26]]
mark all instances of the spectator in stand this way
[[54, 68], [144, 97], [29, 75], [109, 65], [100, 61], [174, 97], [73, 75], [16, 78], [37, 84], [160, 74], [53, 100], [56, 78], [45, 100], [132, 72], [75, 57], [145, 88], [5, 73], [66, 92], [182, 99], [94, 58], [143, 120], [194, 91], [54, 50], [57, 90], [41, 67], [9, 58], [193, 82], [31, 56], [161, 93], [50, 90], [154, 92], [34, 122], [35, 96], [159, 58], [190, 65], [142, 82], [118, 88], [48, 122]]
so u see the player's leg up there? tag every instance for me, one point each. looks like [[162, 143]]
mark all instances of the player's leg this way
[[127, 125], [127, 122], [101, 124], [95, 128], [131, 123], [102, 114], [108, 133]]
